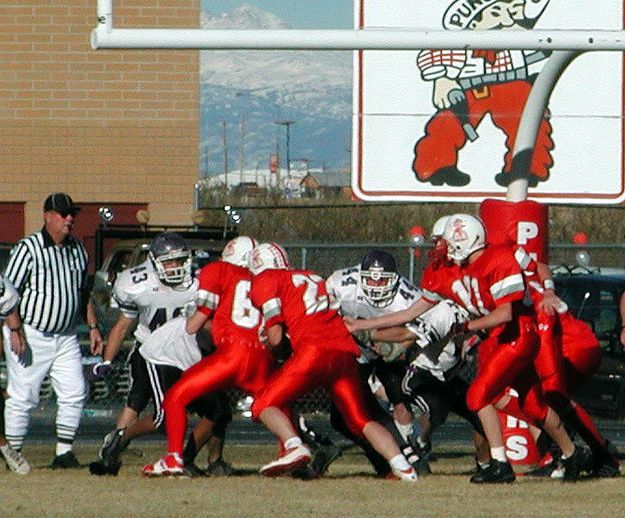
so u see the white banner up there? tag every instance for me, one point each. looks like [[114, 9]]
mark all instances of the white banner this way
[[434, 125]]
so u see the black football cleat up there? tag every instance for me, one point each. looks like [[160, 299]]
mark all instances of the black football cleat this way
[[323, 457], [573, 465], [497, 472], [219, 468], [65, 461], [101, 469]]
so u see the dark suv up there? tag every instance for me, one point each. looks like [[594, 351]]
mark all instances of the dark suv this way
[[593, 296]]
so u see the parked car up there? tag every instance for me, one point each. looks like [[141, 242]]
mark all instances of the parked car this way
[[5, 252], [593, 295], [127, 253]]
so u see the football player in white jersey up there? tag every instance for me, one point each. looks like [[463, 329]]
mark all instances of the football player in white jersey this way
[[9, 299], [158, 294], [374, 288]]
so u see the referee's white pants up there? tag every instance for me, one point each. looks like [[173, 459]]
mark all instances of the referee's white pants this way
[[57, 355]]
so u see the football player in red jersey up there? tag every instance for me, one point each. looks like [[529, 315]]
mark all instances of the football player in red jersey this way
[[240, 359], [569, 354], [323, 354], [489, 283]]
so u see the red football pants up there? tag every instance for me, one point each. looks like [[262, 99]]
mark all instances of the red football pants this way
[[311, 367], [243, 365], [501, 359]]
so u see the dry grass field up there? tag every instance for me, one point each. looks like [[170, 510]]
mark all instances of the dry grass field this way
[[347, 490]]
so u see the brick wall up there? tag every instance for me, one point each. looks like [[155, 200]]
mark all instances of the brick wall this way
[[105, 126]]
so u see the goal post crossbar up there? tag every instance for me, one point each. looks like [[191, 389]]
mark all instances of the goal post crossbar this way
[[107, 37]]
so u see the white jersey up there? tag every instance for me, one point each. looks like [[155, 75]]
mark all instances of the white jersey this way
[[139, 293], [8, 296], [436, 353], [170, 344], [345, 286]]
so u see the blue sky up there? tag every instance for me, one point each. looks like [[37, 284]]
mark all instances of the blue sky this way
[[300, 14]]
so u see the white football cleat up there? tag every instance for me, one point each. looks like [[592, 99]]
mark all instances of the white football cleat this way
[[292, 459], [170, 465], [15, 460]]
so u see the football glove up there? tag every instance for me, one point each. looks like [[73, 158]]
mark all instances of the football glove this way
[[459, 329], [100, 370], [390, 351]]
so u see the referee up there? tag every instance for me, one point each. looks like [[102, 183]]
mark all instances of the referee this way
[[48, 269]]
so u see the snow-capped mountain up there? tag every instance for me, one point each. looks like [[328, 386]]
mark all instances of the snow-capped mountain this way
[[254, 89]]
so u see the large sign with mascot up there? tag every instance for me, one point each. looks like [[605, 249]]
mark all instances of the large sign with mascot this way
[[434, 125]]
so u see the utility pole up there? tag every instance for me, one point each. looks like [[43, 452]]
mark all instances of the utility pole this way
[[225, 144], [287, 124], [241, 146]]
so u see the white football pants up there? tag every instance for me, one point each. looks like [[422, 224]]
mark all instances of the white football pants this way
[[57, 355]]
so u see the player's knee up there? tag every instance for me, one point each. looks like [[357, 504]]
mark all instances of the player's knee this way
[[535, 410], [476, 398], [257, 408]]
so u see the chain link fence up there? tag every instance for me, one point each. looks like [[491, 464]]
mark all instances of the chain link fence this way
[[109, 394]]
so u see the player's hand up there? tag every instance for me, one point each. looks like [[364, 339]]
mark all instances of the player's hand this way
[[96, 344], [363, 336], [18, 342], [352, 324], [459, 329], [389, 351], [189, 309], [100, 370], [550, 303]]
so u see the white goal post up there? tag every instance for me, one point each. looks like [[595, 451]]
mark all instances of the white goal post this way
[[565, 45], [106, 36]]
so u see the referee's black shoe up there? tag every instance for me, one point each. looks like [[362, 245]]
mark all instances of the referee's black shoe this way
[[66, 461], [497, 472]]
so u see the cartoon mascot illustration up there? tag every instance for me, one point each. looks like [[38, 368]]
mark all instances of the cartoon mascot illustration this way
[[469, 84]]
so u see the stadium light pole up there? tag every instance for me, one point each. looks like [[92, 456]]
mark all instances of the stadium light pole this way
[[287, 124]]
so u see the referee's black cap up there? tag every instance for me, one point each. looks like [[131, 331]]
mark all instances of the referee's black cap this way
[[61, 203]]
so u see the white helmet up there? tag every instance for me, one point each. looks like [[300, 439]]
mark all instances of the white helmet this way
[[464, 234], [237, 250], [438, 228], [268, 256]]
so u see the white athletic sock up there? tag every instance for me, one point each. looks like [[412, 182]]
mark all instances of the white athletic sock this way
[[293, 442], [399, 462], [62, 447], [499, 454]]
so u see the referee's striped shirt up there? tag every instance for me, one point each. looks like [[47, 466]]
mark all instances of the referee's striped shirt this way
[[49, 279]]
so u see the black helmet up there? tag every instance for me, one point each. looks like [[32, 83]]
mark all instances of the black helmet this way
[[170, 246], [379, 279]]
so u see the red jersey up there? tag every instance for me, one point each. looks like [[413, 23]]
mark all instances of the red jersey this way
[[495, 278], [223, 294], [298, 299]]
